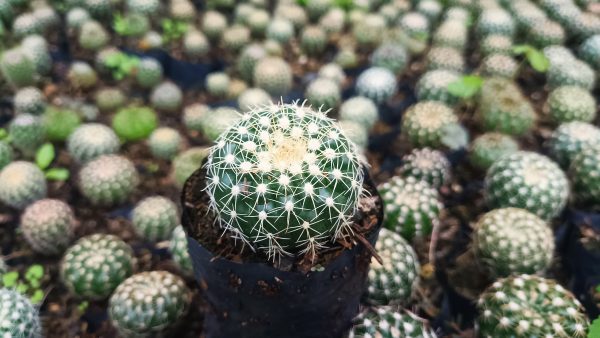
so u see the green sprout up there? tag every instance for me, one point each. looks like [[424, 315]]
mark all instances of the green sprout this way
[[29, 284], [534, 56], [466, 87], [130, 25], [121, 64], [44, 157], [173, 30]]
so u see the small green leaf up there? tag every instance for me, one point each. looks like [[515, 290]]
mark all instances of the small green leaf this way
[[35, 272], [595, 329], [37, 296], [82, 307], [538, 61], [466, 87], [9, 279], [22, 287], [58, 174], [44, 156], [521, 49], [598, 288], [3, 133], [34, 283]]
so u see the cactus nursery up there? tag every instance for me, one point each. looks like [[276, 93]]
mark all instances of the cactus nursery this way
[[300, 168]]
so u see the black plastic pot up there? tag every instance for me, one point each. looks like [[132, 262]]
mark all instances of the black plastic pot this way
[[255, 300]]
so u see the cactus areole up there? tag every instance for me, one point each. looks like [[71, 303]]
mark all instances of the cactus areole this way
[[279, 220]]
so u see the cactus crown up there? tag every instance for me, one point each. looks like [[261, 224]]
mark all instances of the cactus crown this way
[[285, 179]]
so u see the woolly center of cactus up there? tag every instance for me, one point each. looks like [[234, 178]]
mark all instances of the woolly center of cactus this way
[[533, 176], [287, 153]]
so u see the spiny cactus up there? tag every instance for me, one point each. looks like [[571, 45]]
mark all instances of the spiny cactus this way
[[392, 56], [323, 94], [29, 100], [217, 84], [166, 96], [48, 226], [575, 73], [17, 68], [213, 24], [412, 206], [178, 247], [81, 75], [300, 151], [280, 30], [92, 35], [584, 173], [154, 218], [369, 30], [451, 33], [19, 317], [109, 99], [195, 44], [433, 86], [94, 266], [26, 24], [589, 51], [6, 154], [447, 58], [495, 22], [108, 180], [274, 75], [21, 183], [425, 123], [248, 58], [415, 24], [356, 133], [529, 181], [557, 54], [27, 133], [149, 73], [360, 110], [508, 113], [431, 9], [529, 306], [149, 7], [376, 83], [547, 33], [513, 241], [235, 38], [148, 303], [496, 44], [426, 165], [193, 116], [253, 97], [218, 121], [569, 139], [164, 143], [499, 65], [186, 163], [489, 147], [334, 72], [571, 103], [91, 140], [35, 47], [76, 16], [386, 322]]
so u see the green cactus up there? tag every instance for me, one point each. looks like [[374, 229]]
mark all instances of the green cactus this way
[[148, 303], [280, 30], [426, 165], [313, 40], [569, 139], [432, 10], [21, 183], [507, 112], [360, 110], [26, 24], [6, 154], [108, 180], [194, 115], [489, 147], [217, 84], [571, 103], [558, 54], [334, 72], [218, 121], [376, 83], [149, 7], [154, 218], [433, 86], [498, 87], [584, 173], [589, 51], [496, 44], [27, 133], [17, 68], [323, 94], [99, 8], [451, 33], [529, 181], [571, 73], [495, 22], [186, 163], [235, 38], [513, 241], [164, 143], [416, 25], [294, 13], [81, 75], [109, 99], [149, 73], [29, 100], [386, 322], [20, 318], [447, 58], [214, 24], [48, 226], [253, 97], [248, 59], [356, 133], [257, 21], [95, 265], [368, 31], [547, 33], [284, 147], [346, 58], [499, 65], [425, 123], [274, 75], [76, 16], [529, 306], [92, 140], [59, 123], [92, 36], [195, 44], [178, 246], [392, 56], [35, 47], [166, 96]]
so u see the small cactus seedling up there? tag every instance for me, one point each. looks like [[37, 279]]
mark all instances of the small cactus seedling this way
[[27, 133], [274, 75], [218, 121], [313, 40], [571, 73], [91, 140], [489, 147], [213, 24], [569, 139], [48, 226], [178, 247], [496, 44], [186, 163], [513, 241], [149, 73], [21, 183], [166, 96], [433, 86], [59, 123], [280, 30], [529, 181], [333, 72], [547, 33], [134, 123], [361, 110], [164, 143], [108, 180], [291, 187], [94, 266], [110, 99], [194, 115], [425, 123], [427, 165], [17, 68], [529, 306], [571, 103], [356, 133], [447, 58], [248, 58], [253, 97], [324, 94], [154, 218], [376, 83], [29, 100], [81, 75], [451, 33], [508, 113], [369, 30], [92, 35], [148, 303], [19, 317], [195, 44], [412, 207], [589, 51], [235, 38], [217, 84], [395, 280], [585, 175], [6, 154], [386, 322]]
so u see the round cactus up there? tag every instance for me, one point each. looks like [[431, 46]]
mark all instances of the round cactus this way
[[386, 322], [76, 16], [164, 143], [571, 103], [376, 83], [48, 226], [529, 181], [26, 24], [557, 54], [92, 35], [356, 133], [91, 140], [109, 99], [369, 30], [148, 303], [575, 73], [584, 173], [529, 306], [346, 58], [218, 121], [495, 22], [213, 24], [425, 123], [17, 68], [360, 110], [290, 147], [154, 218], [19, 317], [148, 7], [451, 33], [81, 75], [274, 75], [447, 58], [27, 133], [248, 58], [323, 94], [547, 33], [589, 51], [412, 206], [415, 24], [313, 40], [21, 183], [427, 165], [513, 241], [433, 86], [94, 266], [280, 30], [6, 154], [29, 100], [217, 84], [195, 44], [166, 96], [391, 56], [235, 38], [489, 147], [569, 139], [194, 115], [178, 247], [186, 163], [496, 44], [35, 47], [149, 73], [499, 65], [333, 72], [253, 97], [108, 180], [507, 113]]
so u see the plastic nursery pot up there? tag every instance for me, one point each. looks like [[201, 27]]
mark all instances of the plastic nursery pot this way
[[250, 298]]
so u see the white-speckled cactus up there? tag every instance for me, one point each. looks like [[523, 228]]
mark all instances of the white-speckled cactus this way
[[154, 218], [29, 100], [584, 173], [148, 303], [386, 322], [19, 318], [323, 94], [425, 123], [91, 140], [433, 86], [165, 142], [6, 154], [27, 133], [284, 179], [21, 183], [218, 120], [178, 247], [427, 165], [253, 97], [361, 110], [108, 180], [529, 306], [48, 226], [392, 56], [274, 75], [376, 83], [489, 147], [571, 103], [94, 266], [569, 139]]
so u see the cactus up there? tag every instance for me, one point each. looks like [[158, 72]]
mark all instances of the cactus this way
[[529, 306], [433, 86], [356, 133], [166, 96], [81, 75], [496, 44], [218, 121], [426, 165], [257, 21], [529, 181], [513, 241], [575, 73], [557, 54], [280, 30], [249, 57], [323, 94], [584, 173], [386, 322], [195, 44], [76, 16], [3, 267], [376, 83], [6, 154], [92, 36], [507, 112], [109, 99], [148, 303], [213, 24], [253, 97], [571, 103], [108, 180], [92, 140], [186, 163], [274, 75], [148, 7], [333, 72], [313, 40], [19, 317], [27, 133], [21, 183], [589, 51], [235, 38], [178, 247], [164, 143], [346, 58], [194, 115], [499, 65], [294, 13], [495, 22], [416, 25], [451, 33], [425, 123], [431, 9], [149, 73], [95, 265], [391, 56], [60, 123], [547, 33], [17, 68], [369, 30], [412, 206], [35, 47], [447, 58], [48, 226], [217, 84], [569, 139], [29, 100], [26, 24], [154, 218], [489, 147], [99, 8], [279, 141], [360, 110]]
